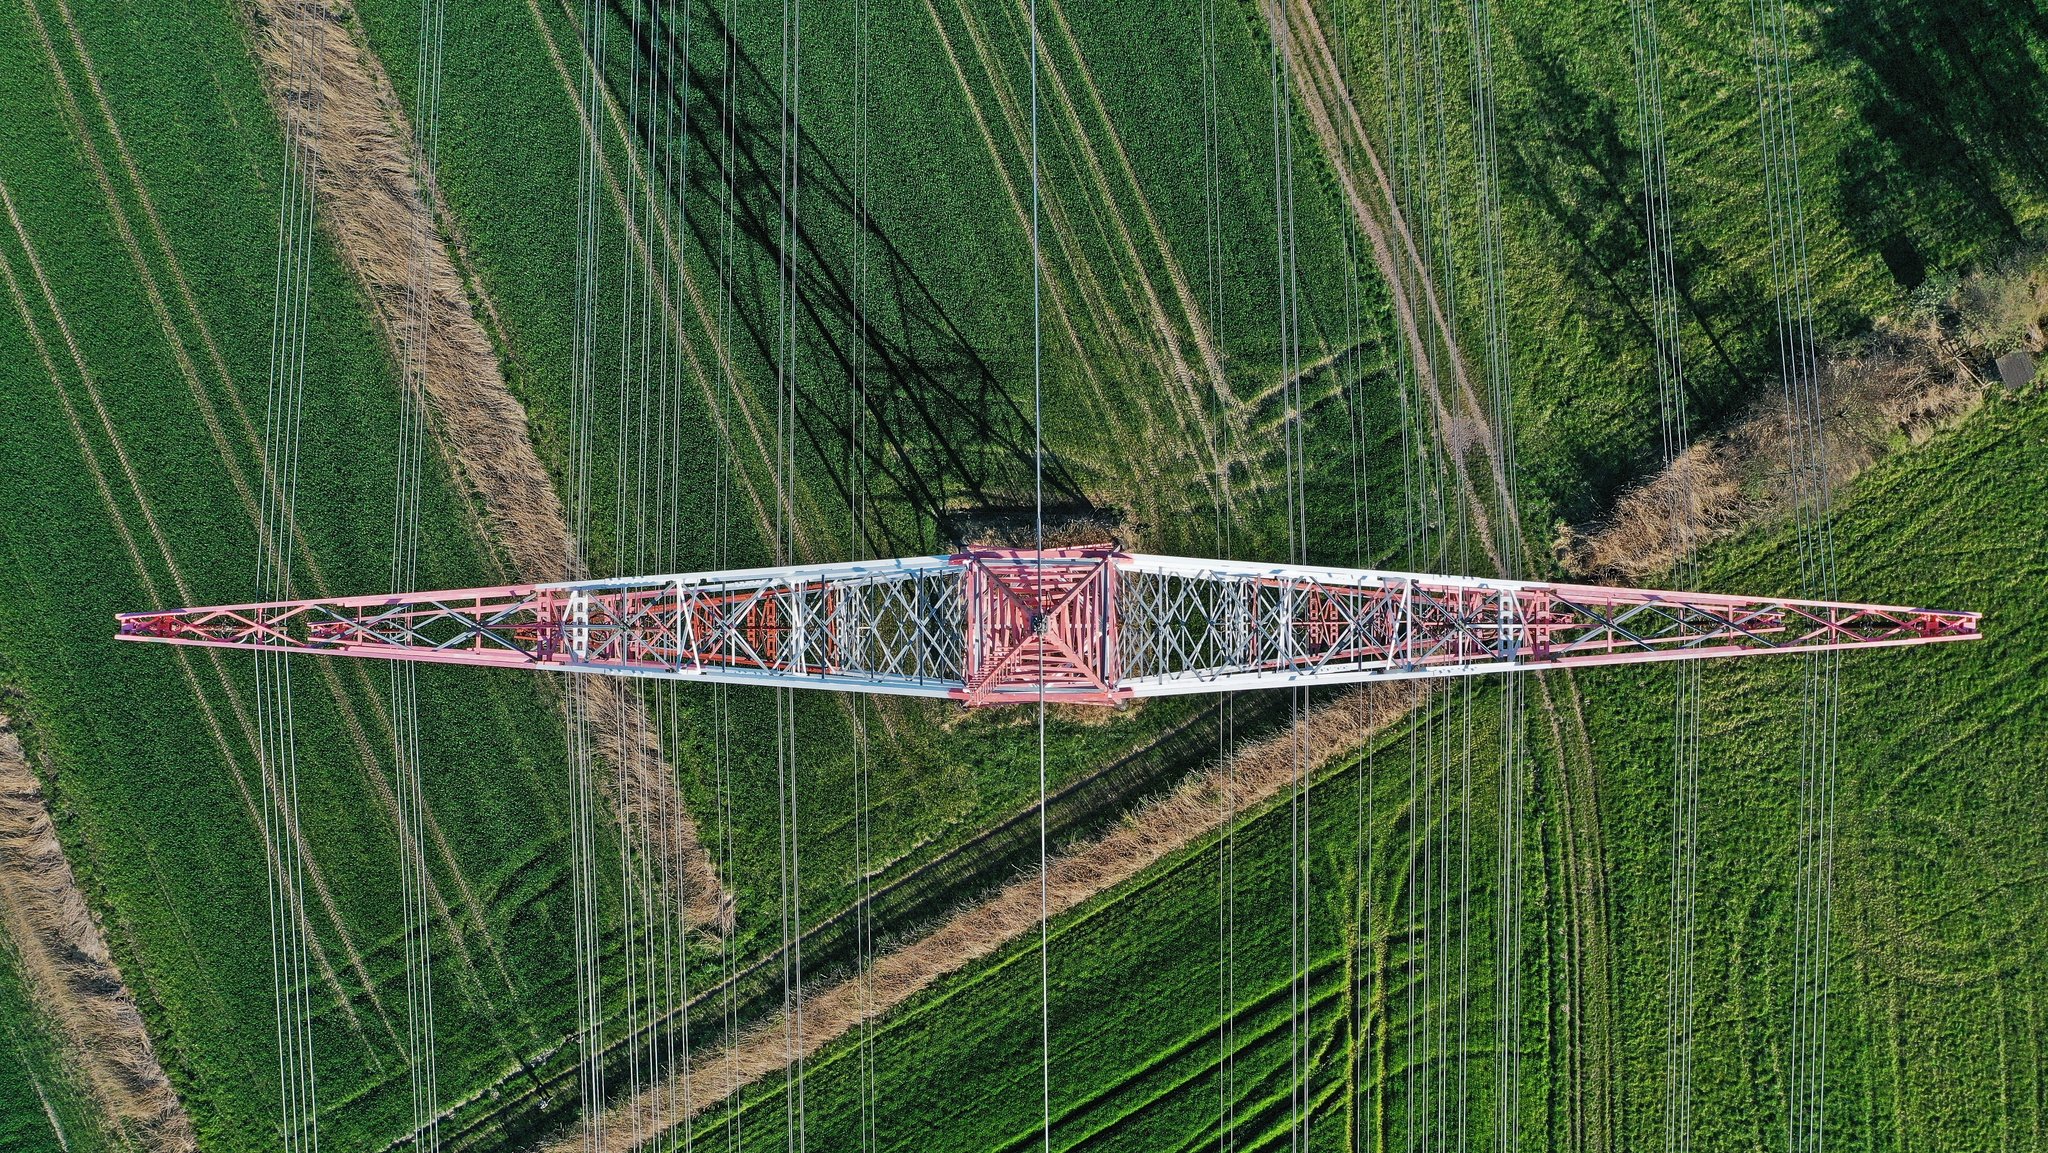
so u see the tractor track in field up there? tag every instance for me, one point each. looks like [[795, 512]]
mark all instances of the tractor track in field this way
[[1323, 93], [63, 955], [124, 228], [1148, 835], [1191, 309], [1326, 99], [671, 244], [372, 211], [1192, 406], [126, 531]]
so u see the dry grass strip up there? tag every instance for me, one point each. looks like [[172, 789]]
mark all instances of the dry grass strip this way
[[1902, 391], [372, 210], [1149, 835], [64, 960]]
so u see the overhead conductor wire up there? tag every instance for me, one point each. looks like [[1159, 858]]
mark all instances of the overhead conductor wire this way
[[285, 854], [1685, 737], [786, 764], [1813, 861], [1226, 703], [674, 148], [629, 524], [1280, 76], [1362, 971], [1038, 544], [582, 398], [1507, 1038], [721, 518], [857, 529], [405, 728]]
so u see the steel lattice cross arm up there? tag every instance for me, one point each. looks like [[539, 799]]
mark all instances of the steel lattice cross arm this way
[[1081, 625]]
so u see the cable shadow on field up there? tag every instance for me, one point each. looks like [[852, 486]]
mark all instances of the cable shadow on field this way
[[1954, 98], [945, 440]]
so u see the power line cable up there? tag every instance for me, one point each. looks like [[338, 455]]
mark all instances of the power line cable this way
[[1038, 545]]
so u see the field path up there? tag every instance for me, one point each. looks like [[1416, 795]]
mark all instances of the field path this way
[[63, 956], [1150, 834], [372, 210]]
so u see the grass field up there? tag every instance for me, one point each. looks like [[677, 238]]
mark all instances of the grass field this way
[[1908, 175], [1916, 160], [1934, 1040], [155, 803], [42, 1109], [122, 483]]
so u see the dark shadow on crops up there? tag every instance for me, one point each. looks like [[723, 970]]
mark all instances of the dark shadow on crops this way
[[1571, 161], [944, 436], [1955, 98]]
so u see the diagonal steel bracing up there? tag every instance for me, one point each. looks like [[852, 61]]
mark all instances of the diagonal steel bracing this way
[[1082, 625]]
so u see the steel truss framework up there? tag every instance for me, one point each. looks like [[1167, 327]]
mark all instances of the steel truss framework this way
[[1082, 625]]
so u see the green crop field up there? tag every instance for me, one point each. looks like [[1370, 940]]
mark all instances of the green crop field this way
[[125, 481], [1937, 997], [112, 474]]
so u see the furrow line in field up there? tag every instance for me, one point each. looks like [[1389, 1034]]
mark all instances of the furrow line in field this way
[[1190, 309], [126, 532], [1191, 408]]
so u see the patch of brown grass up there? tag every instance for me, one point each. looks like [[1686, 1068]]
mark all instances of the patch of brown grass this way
[[63, 958], [1900, 391]]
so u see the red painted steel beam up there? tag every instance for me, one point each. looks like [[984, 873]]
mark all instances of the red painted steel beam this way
[[1086, 625]]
